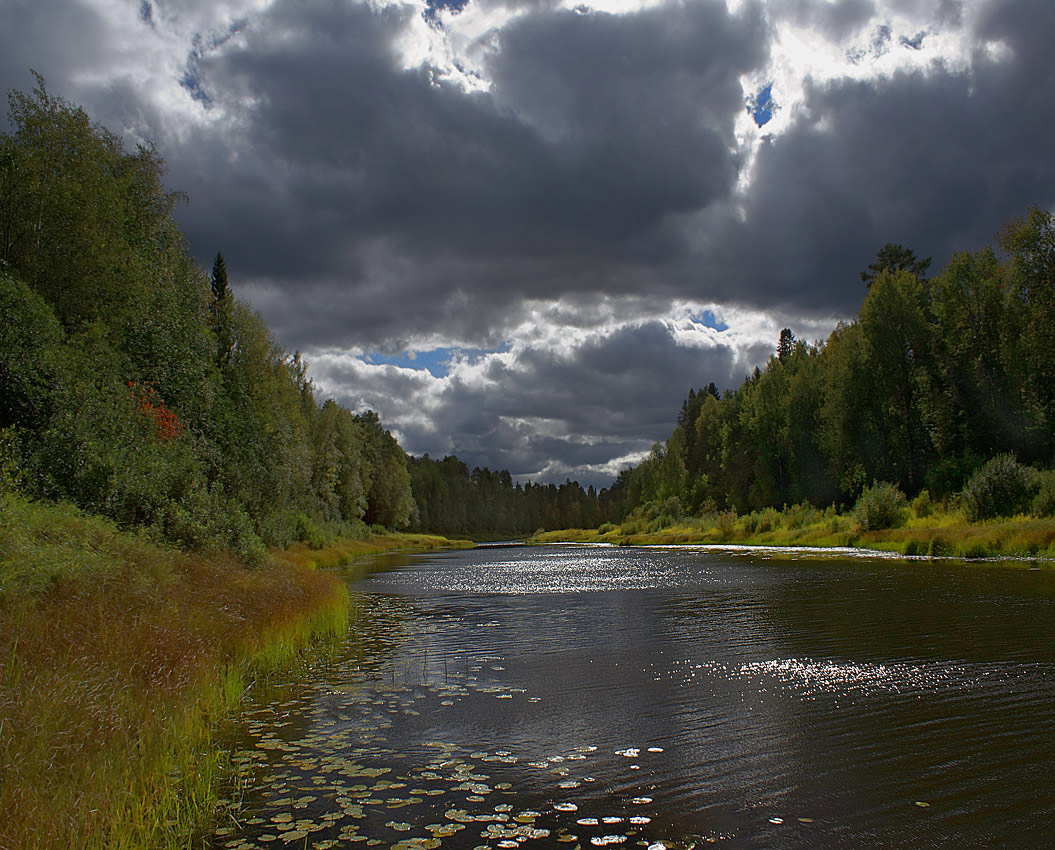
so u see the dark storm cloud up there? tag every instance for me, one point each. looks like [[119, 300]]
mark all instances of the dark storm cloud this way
[[933, 160], [386, 203], [54, 37], [352, 172]]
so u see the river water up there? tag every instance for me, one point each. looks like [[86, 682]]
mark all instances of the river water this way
[[662, 698]]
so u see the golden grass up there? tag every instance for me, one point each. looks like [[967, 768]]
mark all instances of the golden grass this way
[[342, 550], [942, 533], [117, 656]]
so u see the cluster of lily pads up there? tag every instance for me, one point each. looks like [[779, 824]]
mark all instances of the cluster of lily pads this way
[[325, 768]]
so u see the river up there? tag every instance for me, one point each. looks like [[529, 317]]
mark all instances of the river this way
[[662, 698]]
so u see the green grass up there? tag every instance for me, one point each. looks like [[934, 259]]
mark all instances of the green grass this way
[[942, 532], [342, 550], [117, 658]]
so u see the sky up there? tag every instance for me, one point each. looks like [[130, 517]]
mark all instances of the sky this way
[[522, 230]]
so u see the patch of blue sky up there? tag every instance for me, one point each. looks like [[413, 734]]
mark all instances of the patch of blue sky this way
[[761, 106], [437, 362], [709, 320]]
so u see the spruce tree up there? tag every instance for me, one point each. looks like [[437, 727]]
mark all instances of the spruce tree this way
[[221, 308]]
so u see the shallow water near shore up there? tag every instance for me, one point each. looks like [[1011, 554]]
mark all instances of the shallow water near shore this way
[[591, 696]]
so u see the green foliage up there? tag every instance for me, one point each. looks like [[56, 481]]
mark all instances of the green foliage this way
[[938, 546], [1030, 244], [221, 311], [1001, 487], [880, 506], [921, 505], [307, 531], [801, 515], [30, 367], [725, 524], [1044, 501], [11, 475], [450, 499], [892, 258], [135, 386]]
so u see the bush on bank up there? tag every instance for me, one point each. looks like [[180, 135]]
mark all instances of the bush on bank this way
[[880, 506], [1001, 487]]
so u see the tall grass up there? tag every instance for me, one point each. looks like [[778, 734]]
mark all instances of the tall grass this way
[[927, 528], [341, 550], [117, 657]]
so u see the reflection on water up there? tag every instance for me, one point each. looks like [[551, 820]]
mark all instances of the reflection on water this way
[[587, 697]]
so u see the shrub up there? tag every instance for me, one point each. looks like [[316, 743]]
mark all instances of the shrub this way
[[1002, 487], [607, 527], [767, 520], [921, 505], [914, 547], [938, 546], [801, 515], [672, 508], [307, 531], [950, 474], [1044, 501], [880, 506], [11, 474], [725, 524]]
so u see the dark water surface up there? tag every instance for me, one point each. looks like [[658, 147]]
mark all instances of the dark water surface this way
[[654, 698]]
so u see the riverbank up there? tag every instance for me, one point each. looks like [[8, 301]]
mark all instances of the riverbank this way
[[939, 533], [342, 550], [117, 658]]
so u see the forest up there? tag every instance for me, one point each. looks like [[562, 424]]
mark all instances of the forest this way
[[134, 385], [939, 382], [451, 500]]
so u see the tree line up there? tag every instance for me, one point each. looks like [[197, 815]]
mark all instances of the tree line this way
[[451, 500], [935, 377], [134, 385]]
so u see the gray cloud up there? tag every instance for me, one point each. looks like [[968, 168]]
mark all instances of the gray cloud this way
[[562, 179], [363, 205], [53, 37]]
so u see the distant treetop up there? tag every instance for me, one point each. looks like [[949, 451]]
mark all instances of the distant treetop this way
[[893, 257]]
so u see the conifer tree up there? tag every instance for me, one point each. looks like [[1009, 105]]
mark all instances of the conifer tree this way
[[892, 258], [221, 308], [786, 345]]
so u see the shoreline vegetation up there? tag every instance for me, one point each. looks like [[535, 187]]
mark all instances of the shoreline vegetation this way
[[120, 654], [941, 531]]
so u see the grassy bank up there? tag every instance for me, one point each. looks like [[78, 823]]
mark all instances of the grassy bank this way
[[342, 550], [936, 532], [117, 656]]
